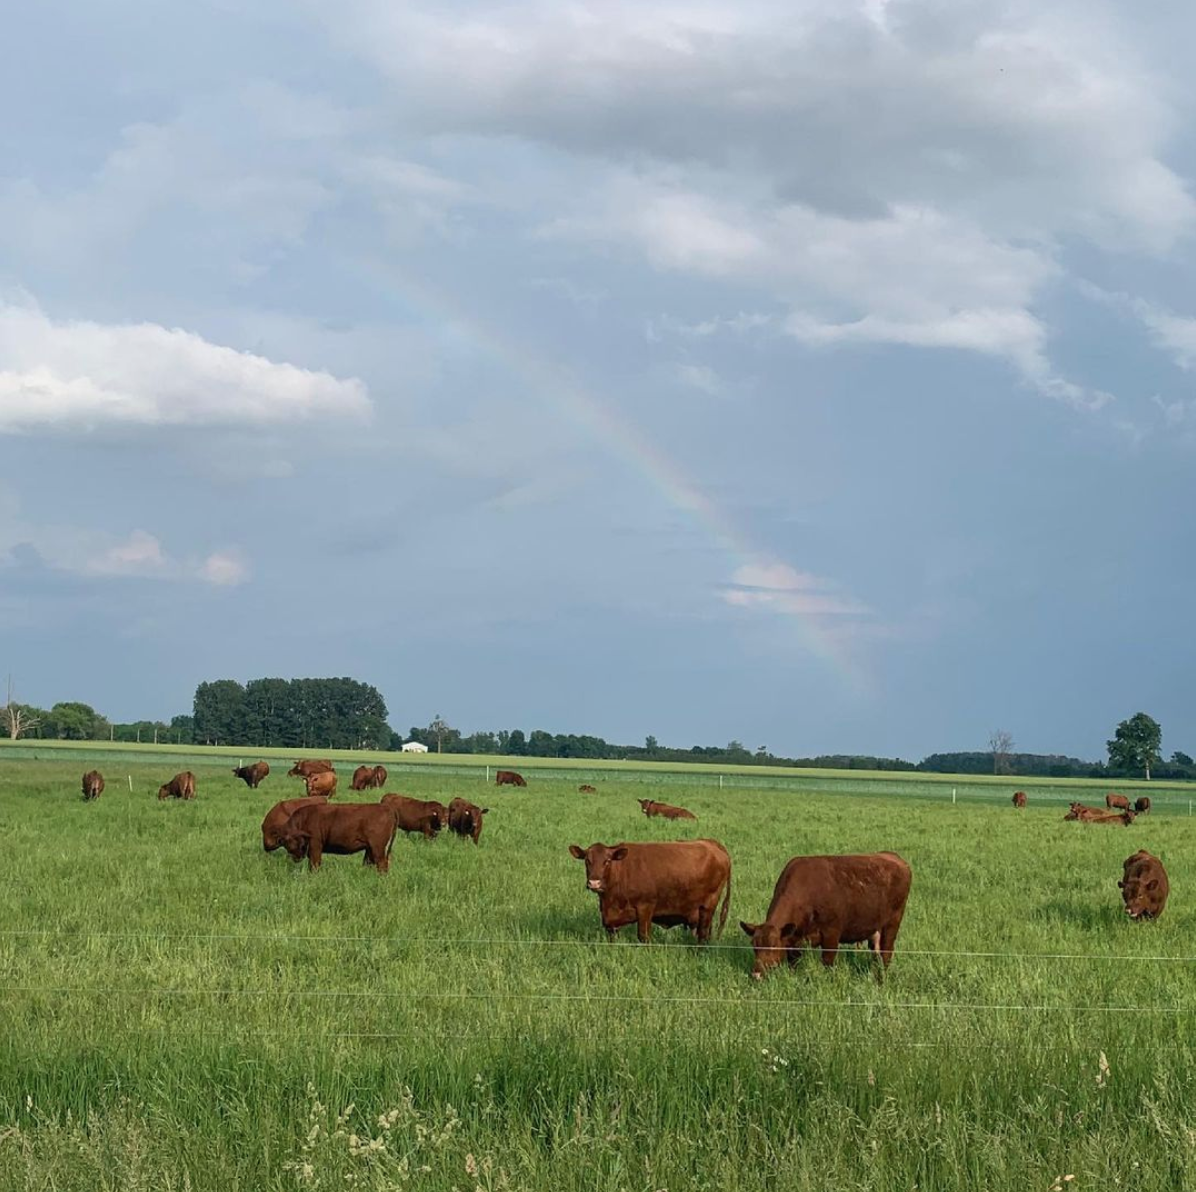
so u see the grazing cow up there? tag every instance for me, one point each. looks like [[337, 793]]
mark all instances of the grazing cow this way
[[426, 816], [1142, 805], [344, 828], [1118, 802], [650, 808], [1144, 886], [669, 884], [277, 816], [509, 778], [252, 775], [829, 901], [363, 778], [465, 818], [1019, 798], [305, 769], [322, 783], [181, 786], [587, 789], [93, 785]]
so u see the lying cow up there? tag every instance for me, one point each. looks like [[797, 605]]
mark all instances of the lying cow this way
[[305, 768], [367, 778], [426, 816], [825, 902], [1093, 815], [1142, 805], [1117, 802], [277, 816], [465, 818], [1019, 798], [1144, 886], [93, 785], [509, 778], [323, 782], [651, 808], [181, 786], [587, 789], [343, 828], [671, 884], [252, 775]]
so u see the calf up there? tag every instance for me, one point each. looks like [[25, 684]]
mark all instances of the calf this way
[[1118, 802], [1019, 798], [181, 786], [305, 768], [1142, 805], [509, 778], [672, 884], [587, 789], [426, 816], [1144, 886], [93, 785], [323, 782], [829, 901], [252, 775], [465, 818], [277, 816], [344, 828], [651, 808]]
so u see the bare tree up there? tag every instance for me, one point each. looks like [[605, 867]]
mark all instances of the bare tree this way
[[16, 719], [1000, 742], [438, 728]]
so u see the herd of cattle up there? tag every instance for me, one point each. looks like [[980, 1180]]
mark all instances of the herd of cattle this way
[[821, 903]]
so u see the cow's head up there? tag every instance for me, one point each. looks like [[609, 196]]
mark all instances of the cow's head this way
[[598, 858], [164, 792], [770, 944], [295, 841], [645, 805], [1142, 898]]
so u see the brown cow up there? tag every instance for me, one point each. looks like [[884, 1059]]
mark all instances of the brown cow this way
[[1019, 798], [341, 828], [426, 816], [587, 789], [465, 818], [1142, 805], [651, 808], [93, 785], [323, 782], [829, 901], [363, 778], [1094, 815], [181, 786], [670, 884], [1118, 802], [305, 768], [252, 775], [1144, 886], [509, 778], [278, 815]]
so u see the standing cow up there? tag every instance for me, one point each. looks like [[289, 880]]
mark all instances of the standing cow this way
[[277, 816], [323, 782], [829, 901], [465, 818], [426, 816], [348, 828], [651, 808], [252, 775], [93, 785], [181, 786], [1142, 805], [509, 778], [1117, 802], [1019, 799], [305, 769], [363, 778], [677, 883]]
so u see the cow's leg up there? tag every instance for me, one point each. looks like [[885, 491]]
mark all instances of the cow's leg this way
[[705, 922], [643, 918], [888, 939], [382, 861], [315, 854], [830, 948]]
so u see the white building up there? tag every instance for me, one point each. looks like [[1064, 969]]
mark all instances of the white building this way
[[414, 747]]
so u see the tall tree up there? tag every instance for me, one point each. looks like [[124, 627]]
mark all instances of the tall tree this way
[[220, 713], [74, 721], [1136, 744], [16, 718], [1000, 742]]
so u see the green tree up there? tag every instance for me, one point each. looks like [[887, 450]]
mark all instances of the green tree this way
[[1135, 744], [220, 713], [1181, 759], [73, 721]]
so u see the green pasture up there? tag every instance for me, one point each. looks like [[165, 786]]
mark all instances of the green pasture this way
[[180, 1010]]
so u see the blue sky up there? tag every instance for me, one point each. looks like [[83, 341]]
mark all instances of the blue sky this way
[[817, 375]]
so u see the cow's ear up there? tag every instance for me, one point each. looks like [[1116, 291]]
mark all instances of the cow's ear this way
[[1121, 885], [748, 928], [1153, 884], [618, 854], [575, 851], [789, 931], [485, 810]]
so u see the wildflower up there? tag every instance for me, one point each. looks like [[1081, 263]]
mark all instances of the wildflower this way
[[471, 1167], [1102, 1076]]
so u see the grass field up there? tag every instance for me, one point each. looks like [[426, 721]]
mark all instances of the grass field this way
[[180, 1010]]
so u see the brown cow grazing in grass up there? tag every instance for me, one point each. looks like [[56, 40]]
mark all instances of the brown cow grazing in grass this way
[[322, 783], [509, 778], [465, 818], [677, 883], [1144, 886], [363, 778], [1019, 798], [1142, 805], [181, 786], [93, 785], [1117, 802], [587, 789], [252, 775], [305, 768], [343, 828], [651, 808], [825, 902], [277, 816], [426, 816]]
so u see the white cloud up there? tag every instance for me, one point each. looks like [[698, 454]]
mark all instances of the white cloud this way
[[80, 376], [224, 569], [139, 554], [778, 587], [701, 377]]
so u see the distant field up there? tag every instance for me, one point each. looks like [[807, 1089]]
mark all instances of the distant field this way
[[180, 1010]]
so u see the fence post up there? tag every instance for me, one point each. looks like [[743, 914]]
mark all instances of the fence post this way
[[487, 772], [130, 784], [953, 794], [720, 782]]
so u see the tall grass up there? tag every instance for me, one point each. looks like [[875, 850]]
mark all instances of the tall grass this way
[[179, 1009]]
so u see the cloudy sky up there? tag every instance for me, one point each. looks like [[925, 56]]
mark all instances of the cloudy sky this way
[[815, 374]]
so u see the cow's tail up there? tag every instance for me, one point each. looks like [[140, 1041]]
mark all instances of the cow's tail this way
[[722, 917]]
